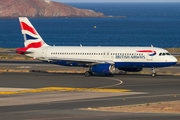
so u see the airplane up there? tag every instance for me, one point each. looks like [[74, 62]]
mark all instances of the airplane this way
[[98, 59]]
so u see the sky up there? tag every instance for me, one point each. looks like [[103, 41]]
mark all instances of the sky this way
[[65, 1]]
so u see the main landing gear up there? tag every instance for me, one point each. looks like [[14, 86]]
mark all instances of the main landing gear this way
[[87, 73], [153, 72]]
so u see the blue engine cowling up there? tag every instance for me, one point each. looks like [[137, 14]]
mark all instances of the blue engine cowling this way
[[103, 68], [131, 69]]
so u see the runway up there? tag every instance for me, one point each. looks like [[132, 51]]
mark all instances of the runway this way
[[64, 104]]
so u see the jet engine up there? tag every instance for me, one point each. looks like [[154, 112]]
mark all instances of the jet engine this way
[[103, 68]]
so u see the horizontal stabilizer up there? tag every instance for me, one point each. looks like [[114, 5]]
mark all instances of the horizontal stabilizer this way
[[23, 51]]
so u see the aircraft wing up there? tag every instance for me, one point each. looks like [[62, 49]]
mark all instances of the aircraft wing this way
[[80, 61]]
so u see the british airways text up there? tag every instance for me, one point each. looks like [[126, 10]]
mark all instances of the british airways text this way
[[130, 57]]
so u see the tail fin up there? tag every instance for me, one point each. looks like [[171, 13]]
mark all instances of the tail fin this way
[[31, 37]]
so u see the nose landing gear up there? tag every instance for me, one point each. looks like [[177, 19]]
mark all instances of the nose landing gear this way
[[153, 72]]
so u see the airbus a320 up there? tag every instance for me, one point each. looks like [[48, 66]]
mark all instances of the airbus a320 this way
[[97, 59]]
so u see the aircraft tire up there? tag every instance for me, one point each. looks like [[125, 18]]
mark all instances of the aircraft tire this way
[[153, 74], [87, 74]]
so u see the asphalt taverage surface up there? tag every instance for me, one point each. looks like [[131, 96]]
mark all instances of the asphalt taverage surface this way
[[53, 104]]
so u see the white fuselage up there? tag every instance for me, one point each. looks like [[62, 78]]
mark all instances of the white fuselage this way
[[127, 55]]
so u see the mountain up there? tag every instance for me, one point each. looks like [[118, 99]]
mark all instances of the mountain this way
[[42, 8]]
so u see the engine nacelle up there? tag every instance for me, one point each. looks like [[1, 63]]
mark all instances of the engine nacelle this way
[[103, 68], [131, 69]]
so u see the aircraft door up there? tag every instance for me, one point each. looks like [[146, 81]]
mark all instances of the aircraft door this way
[[44, 52], [149, 57], [106, 54]]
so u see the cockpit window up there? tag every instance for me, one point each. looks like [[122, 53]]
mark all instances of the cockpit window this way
[[168, 54], [163, 54]]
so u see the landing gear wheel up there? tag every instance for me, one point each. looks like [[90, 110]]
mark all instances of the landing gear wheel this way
[[153, 74], [91, 73], [87, 74]]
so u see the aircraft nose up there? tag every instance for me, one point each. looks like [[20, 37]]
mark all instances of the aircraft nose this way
[[173, 59]]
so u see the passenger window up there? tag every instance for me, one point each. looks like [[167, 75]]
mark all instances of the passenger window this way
[[164, 54]]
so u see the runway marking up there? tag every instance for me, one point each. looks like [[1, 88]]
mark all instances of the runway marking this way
[[23, 91], [64, 88], [24, 67], [120, 82], [85, 89]]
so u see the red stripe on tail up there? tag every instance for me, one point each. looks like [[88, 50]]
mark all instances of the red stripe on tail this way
[[24, 26]]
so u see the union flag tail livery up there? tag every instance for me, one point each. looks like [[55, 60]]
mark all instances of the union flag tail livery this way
[[96, 59], [31, 37]]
